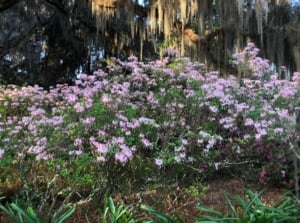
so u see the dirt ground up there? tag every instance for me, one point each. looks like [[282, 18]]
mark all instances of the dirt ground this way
[[177, 200]]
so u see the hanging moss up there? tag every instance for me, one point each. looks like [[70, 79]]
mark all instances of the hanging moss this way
[[216, 28]]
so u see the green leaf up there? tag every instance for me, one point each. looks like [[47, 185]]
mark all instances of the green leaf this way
[[254, 199], [209, 210], [66, 215], [112, 206], [105, 215], [11, 213], [26, 215], [231, 207], [31, 213], [162, 217]]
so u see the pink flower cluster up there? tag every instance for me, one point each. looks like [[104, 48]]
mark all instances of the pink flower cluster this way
[[180, 115]]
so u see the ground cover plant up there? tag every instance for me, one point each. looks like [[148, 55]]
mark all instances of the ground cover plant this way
[[134, 124], [251, 209]]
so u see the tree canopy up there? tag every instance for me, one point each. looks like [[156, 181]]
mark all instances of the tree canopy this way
[[47, 40]]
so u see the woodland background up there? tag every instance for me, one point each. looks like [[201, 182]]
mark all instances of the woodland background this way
[[47, 42]]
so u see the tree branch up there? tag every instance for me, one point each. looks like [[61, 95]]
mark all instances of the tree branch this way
[[6, 4]]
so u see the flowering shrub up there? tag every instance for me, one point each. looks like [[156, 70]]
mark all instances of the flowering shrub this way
[[137, 117]]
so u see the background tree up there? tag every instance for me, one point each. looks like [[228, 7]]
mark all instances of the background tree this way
[[48, 41]]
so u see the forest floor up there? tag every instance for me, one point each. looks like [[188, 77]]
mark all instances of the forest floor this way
[[180, 201]]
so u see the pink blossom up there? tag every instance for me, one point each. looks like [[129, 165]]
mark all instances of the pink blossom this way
[[122, 124], [227, 122], [179, 148], [92, 139], [288, 91], [151, 98], [241, 107], [263, 177], [78, 108], [211, 141], [133, 125], [190, 159], [42, 141], [43, 156], [54, 121], [91, 78], [169, 72], [189, 93], [89, 103], [87, 93], [1, 153], [78, 142], [257, 125], [78, 82], [21, 155], [218, 93], [122, 117], [171, 52], [100, 147], [146, 142], [83, 77], [101, 159], [38, 111], [204, 134], [249, 122], [278, 130], [296, 76], [101, 133], [214, 109], [26, 120], [126, 151], [159, 162], [75, 152], [89, 120], [122, 158], [274, 77], [182, 155], [184, 141], [177, 159], [258, 136], [217, 164], [264, 123], [78, 152], [36, 149], [118, 140], [100, 73], [262, 131], [247, 136], [105, 98], [71, 98], [239, 57], [284, 113], [147, 121]]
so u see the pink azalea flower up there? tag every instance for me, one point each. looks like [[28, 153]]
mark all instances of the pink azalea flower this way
[[1, 153], [78, 108], [78, 142], [122, 158], [159, 162]]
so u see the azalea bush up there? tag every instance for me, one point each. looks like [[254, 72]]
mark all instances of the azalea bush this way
[[136, 121]]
